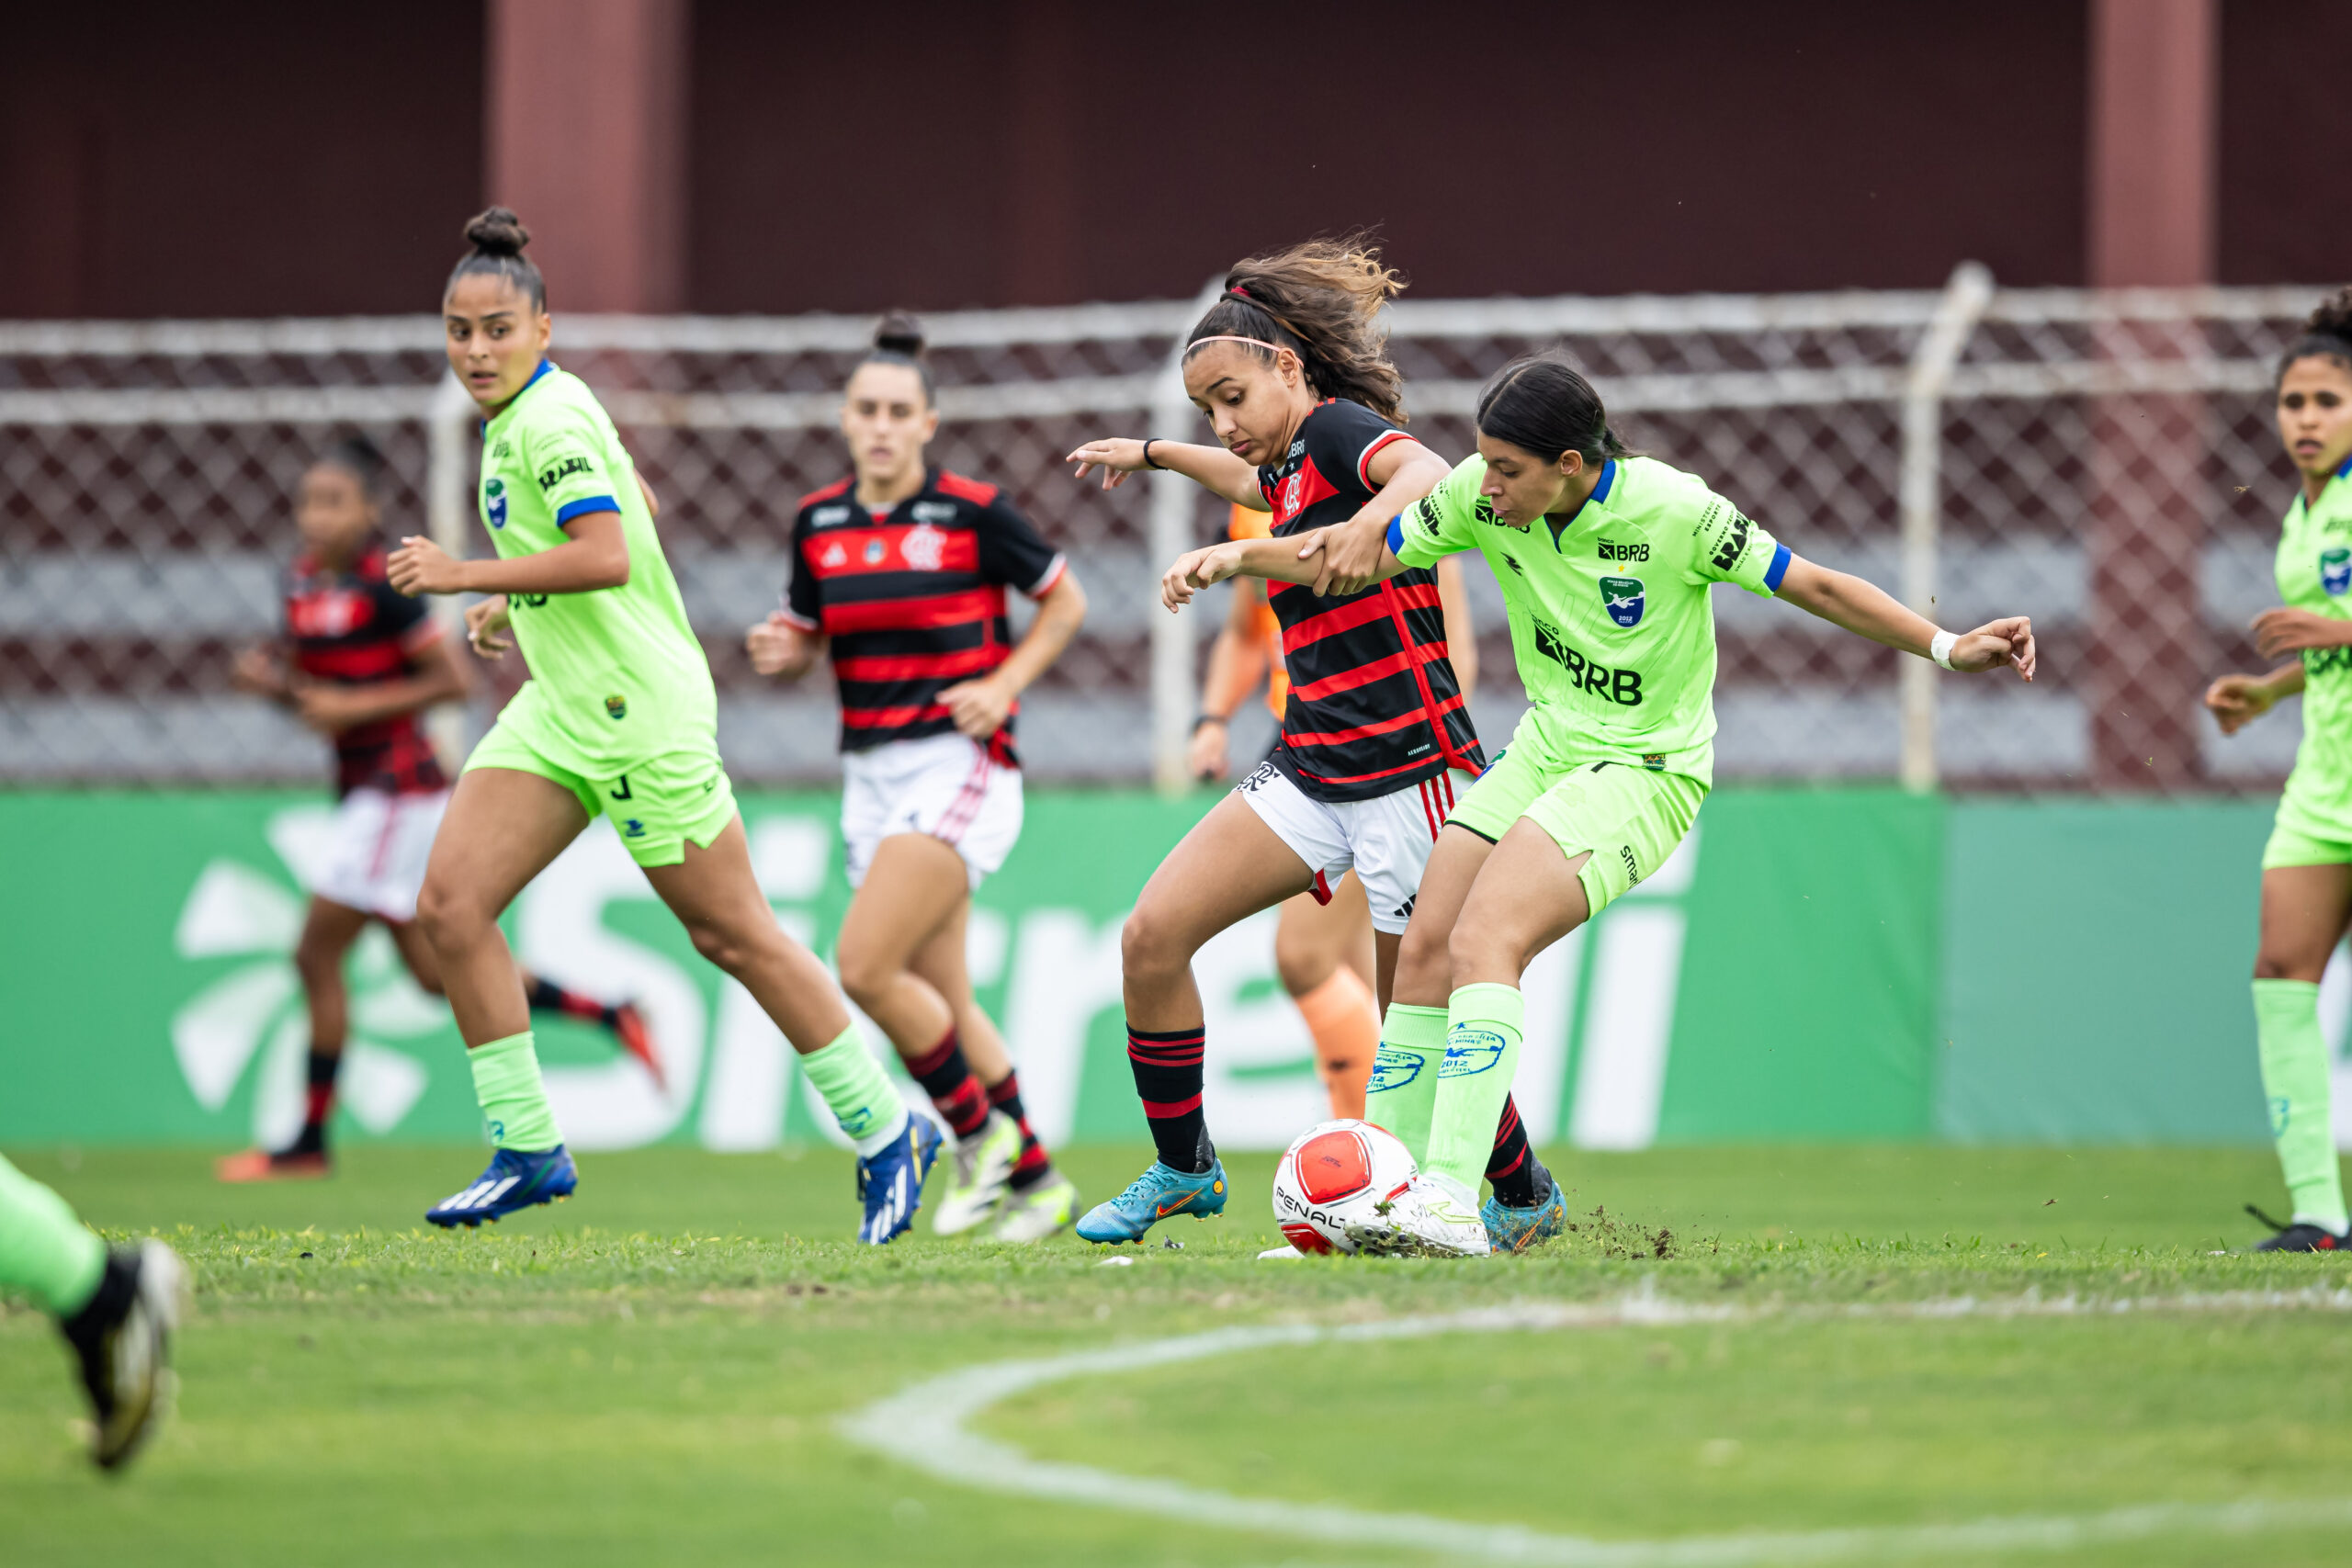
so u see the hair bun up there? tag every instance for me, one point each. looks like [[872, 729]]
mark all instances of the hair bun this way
[[497, 232], [2334, 317], [899, 333]]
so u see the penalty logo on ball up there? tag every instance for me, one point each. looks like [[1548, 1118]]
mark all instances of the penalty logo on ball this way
[[1333, 1173]]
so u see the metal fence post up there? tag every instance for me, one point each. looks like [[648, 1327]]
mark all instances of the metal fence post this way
[[1965, 296], [448, 505], [1171, 535]]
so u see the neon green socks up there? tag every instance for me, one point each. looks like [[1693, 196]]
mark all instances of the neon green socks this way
[[1403, 1091], [1482, 1040], [45, 1252], [863, 1099], [2295, 1078], [514, 1097]]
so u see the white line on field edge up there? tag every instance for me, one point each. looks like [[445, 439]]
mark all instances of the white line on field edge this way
[[925, 1427]]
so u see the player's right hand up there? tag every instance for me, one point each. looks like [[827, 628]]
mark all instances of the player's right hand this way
[[486, 624], [2237, 701], [1196, 570], [772, 644], [1352, 555], [1117, 457], [1209, 756], [257, 669]]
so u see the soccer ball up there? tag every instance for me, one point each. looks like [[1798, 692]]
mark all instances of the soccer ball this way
[[1335, 1172]]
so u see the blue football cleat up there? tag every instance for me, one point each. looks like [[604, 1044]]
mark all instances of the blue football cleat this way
[[889, 1182], [1152, 1197], [1516, 1230], [514, 1180]]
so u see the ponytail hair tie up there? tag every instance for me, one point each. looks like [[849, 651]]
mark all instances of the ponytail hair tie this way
[[1238, 292]]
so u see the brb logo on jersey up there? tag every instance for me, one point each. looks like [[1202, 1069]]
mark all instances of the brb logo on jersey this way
[[1623, 598], [2335, 569], [494, 502]]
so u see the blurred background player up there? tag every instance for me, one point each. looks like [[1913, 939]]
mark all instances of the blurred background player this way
[[2307, 864], [116, 1307], [619, 720], [360, 662], [1323, 952], [1606, 559], [1289, 368], [899, 573]]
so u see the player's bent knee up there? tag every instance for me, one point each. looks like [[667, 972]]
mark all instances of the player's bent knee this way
[[866, 975], [1151, 947]]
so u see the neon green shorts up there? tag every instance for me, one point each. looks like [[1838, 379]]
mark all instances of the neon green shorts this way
[[657, 807], [1626, 819], [2292, 845]]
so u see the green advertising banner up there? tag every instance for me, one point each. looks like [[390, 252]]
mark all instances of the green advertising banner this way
[[1846, 963]]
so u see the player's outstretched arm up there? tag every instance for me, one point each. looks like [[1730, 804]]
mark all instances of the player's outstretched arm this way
[[2237, 701], [1212, 468], [1271, 558], [433, 676], [1868, 609], [597, 556], [780, 649]]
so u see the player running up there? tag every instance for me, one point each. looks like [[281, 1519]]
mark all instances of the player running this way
[[116, 1307], [1605, 559], [1375, 740], [2307, 865], [619, 720], [1323, 952], [899, 572], [360, 662]]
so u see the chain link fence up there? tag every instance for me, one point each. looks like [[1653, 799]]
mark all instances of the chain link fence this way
[[2103, 461]]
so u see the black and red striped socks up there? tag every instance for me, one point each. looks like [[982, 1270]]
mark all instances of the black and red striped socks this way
[[1517, 1178], [947, 1079], [1167, 1081], [317, 1101], [545, 996], [1033, 1166]]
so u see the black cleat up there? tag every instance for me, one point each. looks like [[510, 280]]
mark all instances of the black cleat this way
[[2298, 1236], [123, 1341]]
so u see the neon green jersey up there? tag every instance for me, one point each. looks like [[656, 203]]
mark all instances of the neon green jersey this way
[[616, 675], [1609, 620], [2314, 570]]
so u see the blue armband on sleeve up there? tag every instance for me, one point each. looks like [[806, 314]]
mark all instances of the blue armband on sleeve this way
[[583, 506], [1779, 569], [1396, 536]]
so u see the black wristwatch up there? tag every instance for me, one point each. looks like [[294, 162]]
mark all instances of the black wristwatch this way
[[1147, 452], [1210, 718]]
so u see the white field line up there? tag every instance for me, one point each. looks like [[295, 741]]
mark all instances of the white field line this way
[[925, 1427]]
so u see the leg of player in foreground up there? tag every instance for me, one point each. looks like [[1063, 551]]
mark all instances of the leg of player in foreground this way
[[116, 1308], [2305, 907], [902, 961]]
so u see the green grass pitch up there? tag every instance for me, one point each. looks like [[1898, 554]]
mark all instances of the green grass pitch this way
[[652, 1374]]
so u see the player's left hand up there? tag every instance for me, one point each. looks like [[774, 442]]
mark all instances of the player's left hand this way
[[420, 566], [1117, 457], [979, 707], [1995, 643], [1196, 570], [2282, 631], [330, 710], [1352, 556]]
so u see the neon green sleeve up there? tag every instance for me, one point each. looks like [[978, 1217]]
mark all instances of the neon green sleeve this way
[[1729, 547], [566, 453], [1441, 523]]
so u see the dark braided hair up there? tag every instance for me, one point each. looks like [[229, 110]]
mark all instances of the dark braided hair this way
[[2327, 335], [1321, 300], [498, 237]]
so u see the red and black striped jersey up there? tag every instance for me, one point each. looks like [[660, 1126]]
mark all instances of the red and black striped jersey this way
[[1373, 702], [913, 599], [354, 628]]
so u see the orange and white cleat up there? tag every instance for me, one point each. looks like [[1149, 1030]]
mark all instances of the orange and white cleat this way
[[287, 1165]]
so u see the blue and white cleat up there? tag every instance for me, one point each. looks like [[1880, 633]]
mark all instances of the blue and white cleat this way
[[1516, 1230], [1155, 1195], [514, 1180], [890, 1182]]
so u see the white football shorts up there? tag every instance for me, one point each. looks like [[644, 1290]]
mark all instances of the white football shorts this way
[[1385, 839], [376, 858], [942, 786]]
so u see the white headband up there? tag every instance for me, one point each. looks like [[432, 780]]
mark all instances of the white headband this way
[[1253, 342]]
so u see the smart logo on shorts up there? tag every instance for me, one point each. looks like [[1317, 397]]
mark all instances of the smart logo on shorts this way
[[2335, 569], [1469, 1052], [1623, 598], [494, 502]]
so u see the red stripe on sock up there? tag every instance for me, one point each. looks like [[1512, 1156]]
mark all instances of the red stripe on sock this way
[[1160, 1109]]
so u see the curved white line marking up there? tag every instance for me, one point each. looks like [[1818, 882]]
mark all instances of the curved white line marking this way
[[925, 1427]]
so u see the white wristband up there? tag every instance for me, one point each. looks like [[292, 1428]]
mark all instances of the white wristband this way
[[1941, 648]]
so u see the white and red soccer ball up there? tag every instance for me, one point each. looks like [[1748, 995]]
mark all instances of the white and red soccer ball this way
[[1334, 1172]]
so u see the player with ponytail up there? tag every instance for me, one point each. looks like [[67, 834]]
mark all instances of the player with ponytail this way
[[619, 719], [2307, 864], [899, 572]]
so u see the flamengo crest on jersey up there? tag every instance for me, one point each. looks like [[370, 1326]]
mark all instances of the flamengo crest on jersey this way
[[1373, 703], [913, 600], [2315, 572], [354, 628], [1610, 621]]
